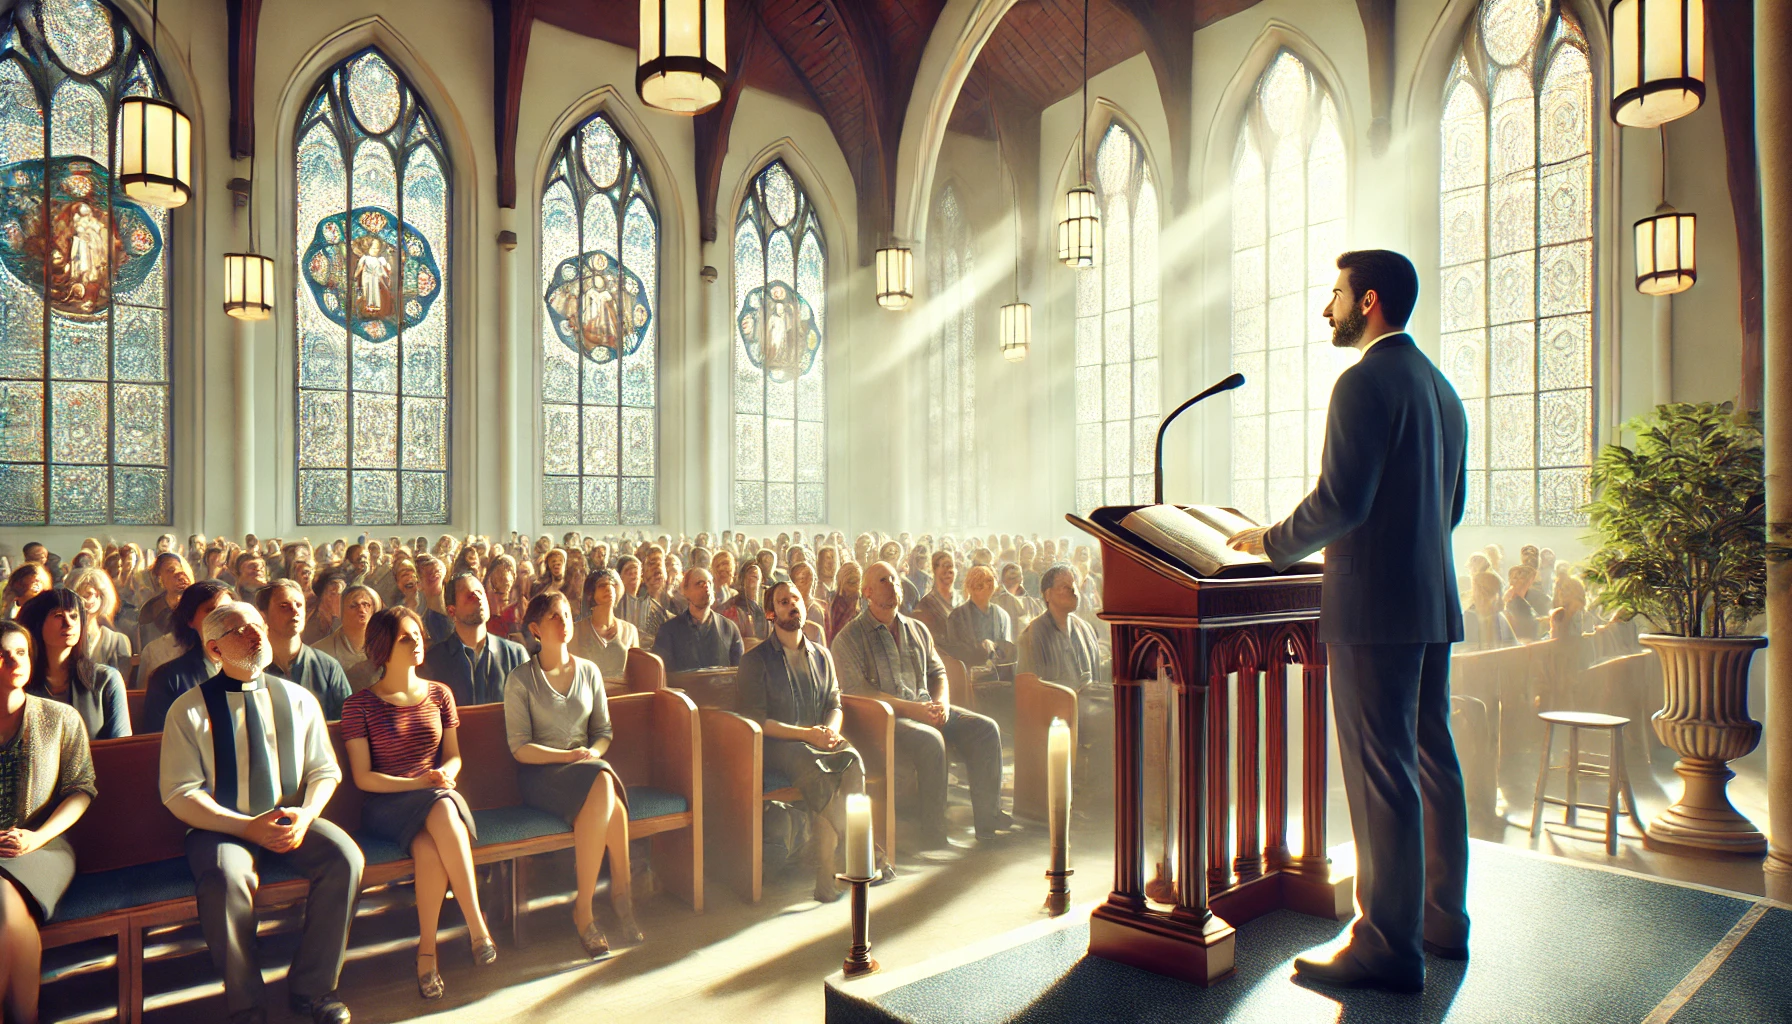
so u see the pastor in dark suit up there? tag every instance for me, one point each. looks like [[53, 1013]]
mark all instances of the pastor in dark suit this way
[[1391, 489]]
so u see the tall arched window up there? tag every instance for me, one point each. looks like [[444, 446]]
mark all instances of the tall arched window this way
[[1288, 206], [780, 352], [1116, 333], [84, 357], [953, 474], [600, 262], [1517, 247], [373, 302]]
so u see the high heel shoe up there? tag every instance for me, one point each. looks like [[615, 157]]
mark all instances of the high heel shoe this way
[[628, 931], [485, 953], [593, 940], [429, 984]]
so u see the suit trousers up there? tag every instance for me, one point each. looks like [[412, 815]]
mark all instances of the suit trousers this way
[[225, 868], [977, 741], [1407, 808]]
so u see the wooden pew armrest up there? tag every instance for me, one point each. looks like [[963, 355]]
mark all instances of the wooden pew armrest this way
[[677, 763]]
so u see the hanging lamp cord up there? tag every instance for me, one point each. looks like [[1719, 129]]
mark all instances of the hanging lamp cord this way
[[1082, 132]]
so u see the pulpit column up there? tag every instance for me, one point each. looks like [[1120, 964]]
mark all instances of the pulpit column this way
[[1773, 140], [1129, 778]]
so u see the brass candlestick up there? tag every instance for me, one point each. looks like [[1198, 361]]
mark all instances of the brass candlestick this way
[[858, 958], [1057, 892]]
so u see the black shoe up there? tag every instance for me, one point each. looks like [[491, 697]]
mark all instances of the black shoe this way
[[1004, 826], [1446, 952], [324, 1009], [1344, 971]]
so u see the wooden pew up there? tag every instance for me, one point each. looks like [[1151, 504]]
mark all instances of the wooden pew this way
[[1036, 703], [958, 682], [130, 851], [737, 787], [643, 671], [133, 703]]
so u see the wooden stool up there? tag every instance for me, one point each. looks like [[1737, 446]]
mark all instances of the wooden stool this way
[[1617, 779]]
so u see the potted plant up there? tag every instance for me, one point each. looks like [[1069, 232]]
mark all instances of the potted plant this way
[[1681, 527]]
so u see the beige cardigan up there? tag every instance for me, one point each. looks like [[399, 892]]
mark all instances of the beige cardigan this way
[[57, 761]]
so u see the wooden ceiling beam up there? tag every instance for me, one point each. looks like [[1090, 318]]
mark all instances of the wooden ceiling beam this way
[[244, 17], [1732, 27], [712, 127], [512, 21], [1168, 29]]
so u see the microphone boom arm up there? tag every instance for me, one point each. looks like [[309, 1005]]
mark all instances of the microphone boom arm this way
[[1229, 384]]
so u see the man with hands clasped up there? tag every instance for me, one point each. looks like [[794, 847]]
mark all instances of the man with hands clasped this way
[[246, 762]]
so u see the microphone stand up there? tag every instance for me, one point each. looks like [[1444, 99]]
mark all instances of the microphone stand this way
[[1229, 384]]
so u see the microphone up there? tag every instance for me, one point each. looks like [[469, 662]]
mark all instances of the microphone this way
[[1230, 383]]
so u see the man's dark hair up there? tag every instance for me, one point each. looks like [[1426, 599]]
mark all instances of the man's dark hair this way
[[1389, 275], [452, 591]]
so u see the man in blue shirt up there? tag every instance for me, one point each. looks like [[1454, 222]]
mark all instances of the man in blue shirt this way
[[469, 661]]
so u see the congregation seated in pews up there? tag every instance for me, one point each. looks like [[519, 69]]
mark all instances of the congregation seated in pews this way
[[311, 712]]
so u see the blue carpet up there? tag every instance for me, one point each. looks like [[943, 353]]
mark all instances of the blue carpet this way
[[1553, 943], [1752, 984]]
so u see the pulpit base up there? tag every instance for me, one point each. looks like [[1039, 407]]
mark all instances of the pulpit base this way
[[1312, 893], [1155, 941]]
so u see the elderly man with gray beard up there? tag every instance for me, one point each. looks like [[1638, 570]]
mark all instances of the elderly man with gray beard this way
[[247, 764]]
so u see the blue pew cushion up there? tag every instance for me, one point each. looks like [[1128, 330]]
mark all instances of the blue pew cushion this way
[[776, 780], [102, 892], [647, 802], [514, 824]]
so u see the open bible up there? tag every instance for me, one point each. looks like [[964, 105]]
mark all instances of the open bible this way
[[1195, 536]]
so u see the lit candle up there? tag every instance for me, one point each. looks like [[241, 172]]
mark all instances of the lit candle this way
[[1057, 790], [858, 835]]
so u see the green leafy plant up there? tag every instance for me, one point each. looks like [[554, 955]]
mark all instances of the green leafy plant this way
[[1680, 519]]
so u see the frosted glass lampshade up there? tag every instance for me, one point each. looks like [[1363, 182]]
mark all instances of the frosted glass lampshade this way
[[155, 146], [683, 55], [895, 277], [1658, 60], [1666, 253], [1017, 331], [1079, 233], [248, 285]]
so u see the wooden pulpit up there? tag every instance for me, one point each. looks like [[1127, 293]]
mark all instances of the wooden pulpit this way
[[1200, 637]]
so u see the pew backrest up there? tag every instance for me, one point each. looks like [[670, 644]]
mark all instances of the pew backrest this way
[[127, 824]]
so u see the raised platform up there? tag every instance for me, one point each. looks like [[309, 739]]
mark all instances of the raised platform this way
[[1553, 942]]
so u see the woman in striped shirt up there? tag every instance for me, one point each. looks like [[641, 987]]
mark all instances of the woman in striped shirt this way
[[404, 750]]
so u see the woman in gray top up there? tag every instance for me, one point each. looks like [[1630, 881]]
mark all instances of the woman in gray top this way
[[557, 721]]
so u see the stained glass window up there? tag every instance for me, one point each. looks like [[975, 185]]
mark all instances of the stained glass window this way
[[372, 302], [1288, 200], [600, 262], [1517, 258], [953, 478], [1116, 333], [84, 357], [780, 354]]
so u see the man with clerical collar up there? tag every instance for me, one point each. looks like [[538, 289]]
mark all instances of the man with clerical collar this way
[[470, 661], [887, 655], [789, 687], [979, 632], [1059, 647], [698, 638], [247, 764], [282, 606]]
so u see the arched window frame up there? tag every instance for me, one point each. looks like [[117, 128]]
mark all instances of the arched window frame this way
[[954, 473], [1117, 363], [600, 419], [343, 486], [763, 485], [1279, 341], [1526, 361], [86, 408]]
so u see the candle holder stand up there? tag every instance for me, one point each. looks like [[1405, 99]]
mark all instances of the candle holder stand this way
[[858, 958], [1057, 893]]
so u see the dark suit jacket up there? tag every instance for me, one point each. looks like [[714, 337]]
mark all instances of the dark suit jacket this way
[[1391, 489]]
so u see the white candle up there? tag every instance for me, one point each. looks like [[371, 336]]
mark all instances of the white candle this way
[[858, 835], [1057, 790]]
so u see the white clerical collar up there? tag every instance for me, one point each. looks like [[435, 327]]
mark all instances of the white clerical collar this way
[[1378, 338]]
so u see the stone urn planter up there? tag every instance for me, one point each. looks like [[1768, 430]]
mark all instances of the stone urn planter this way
[[1704, 719]]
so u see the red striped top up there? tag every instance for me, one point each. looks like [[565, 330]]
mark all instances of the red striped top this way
[[405, 742]]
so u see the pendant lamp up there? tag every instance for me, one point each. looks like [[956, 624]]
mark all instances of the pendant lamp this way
[[1658, 60], [683, 55], [1079, 233], [1666, 244], [155, 145], [249, 276], [1017, 316], [895, 276]]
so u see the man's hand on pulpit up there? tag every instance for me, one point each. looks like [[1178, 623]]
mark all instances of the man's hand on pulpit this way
[[1248, 541]]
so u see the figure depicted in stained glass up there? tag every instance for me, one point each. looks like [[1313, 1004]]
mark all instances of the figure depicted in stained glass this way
[[367, 268], [373, 274], [779, 330], [90, 250], [598, 307]]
